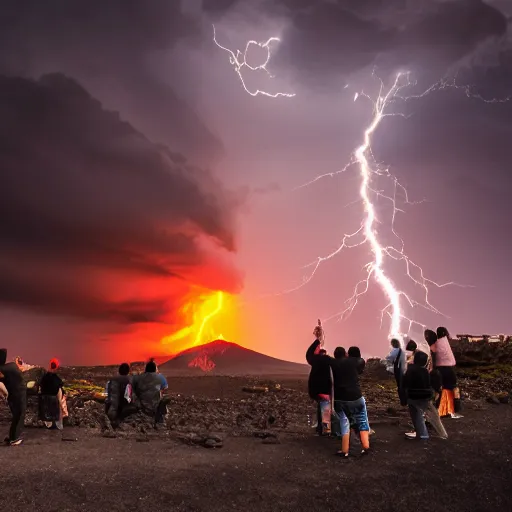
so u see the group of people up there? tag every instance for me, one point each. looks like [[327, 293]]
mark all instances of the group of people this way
[[334, 384], [125, 394], [426, 384]]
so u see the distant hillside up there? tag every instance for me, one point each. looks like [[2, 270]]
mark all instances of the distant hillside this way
[[224, 358]]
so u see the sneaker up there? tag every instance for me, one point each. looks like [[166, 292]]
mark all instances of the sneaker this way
[[59, 425], [456, 416], [341, 454], [410, 435], [365, 451], [16, 442]]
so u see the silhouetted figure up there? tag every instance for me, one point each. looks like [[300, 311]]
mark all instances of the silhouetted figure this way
[[12, 378], [119, 403], [52, 402], [148, 388], [348, 399], [320, 385], [397, 358], [419, 392]]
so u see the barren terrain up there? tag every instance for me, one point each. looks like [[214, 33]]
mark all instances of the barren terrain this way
[[267, 457]]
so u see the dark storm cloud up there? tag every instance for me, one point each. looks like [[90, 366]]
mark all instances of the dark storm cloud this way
[[98, 32], [325, 39], [84, 196], [109, 47]]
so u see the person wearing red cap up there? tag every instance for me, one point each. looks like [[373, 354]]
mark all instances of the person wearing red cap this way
[[52, 407]]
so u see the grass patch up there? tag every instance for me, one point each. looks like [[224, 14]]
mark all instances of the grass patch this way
[[82, 386], [486, 373]]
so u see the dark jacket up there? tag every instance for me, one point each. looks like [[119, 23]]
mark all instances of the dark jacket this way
[[319, 382], [346, 373], [50, 384], [13, 381], [147, 388], [417, 383], [116, 401]]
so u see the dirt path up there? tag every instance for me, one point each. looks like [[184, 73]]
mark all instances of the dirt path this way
[[470, 472]]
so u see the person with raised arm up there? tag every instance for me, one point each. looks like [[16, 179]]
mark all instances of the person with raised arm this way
[[319, 382]]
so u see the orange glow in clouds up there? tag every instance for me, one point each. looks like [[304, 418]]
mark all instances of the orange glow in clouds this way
[[209, 317]]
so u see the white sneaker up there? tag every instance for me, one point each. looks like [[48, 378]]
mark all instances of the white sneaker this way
[[456, 416], [410, 435]]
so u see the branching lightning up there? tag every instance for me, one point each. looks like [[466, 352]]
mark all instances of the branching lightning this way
[[239, 61], [367, 233]]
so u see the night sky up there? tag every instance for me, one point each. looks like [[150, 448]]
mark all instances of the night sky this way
[[137, 174]]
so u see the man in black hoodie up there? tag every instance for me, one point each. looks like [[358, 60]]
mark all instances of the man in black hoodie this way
[[319, 383], [12, 378], [419, 392]]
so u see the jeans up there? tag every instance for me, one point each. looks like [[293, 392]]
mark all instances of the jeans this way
[[420, 408], [323, 414], [355, 411], [341, 425]]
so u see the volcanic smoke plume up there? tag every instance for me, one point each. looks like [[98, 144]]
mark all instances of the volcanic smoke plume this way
[[99, 223]]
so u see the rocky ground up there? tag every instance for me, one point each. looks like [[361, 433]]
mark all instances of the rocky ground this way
[[263, 454], [241, 406]]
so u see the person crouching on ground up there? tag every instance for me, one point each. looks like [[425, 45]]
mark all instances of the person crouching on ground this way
[[349, 400], [52, 401], [418, 390], [12, 379], [118, 404], [319, 382], [148, 388]]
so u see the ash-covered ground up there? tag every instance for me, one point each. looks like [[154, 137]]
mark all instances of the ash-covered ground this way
[[265, 456]]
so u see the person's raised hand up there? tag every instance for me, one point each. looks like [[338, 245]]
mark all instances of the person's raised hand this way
[[318, 332]]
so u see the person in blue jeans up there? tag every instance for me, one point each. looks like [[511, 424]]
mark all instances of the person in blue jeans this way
[[418, 388], [349, 400]]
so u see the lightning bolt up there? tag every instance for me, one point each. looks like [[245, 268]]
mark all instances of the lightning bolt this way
[[367, 233], [239, 61], [206, 318], [369, 170]]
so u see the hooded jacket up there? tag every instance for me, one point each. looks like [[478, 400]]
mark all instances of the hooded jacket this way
[[417, 382]]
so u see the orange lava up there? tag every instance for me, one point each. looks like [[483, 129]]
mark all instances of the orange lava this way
[[208, 316]]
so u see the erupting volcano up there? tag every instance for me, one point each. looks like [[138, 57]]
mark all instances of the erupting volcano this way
[[224, 358]]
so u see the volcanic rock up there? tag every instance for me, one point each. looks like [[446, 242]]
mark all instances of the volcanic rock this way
[[211, 442]]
